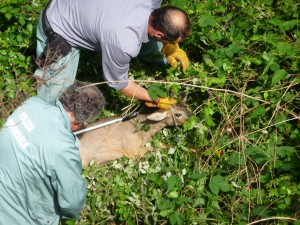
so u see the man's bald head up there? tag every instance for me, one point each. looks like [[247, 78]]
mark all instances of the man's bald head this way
[[173, 22]]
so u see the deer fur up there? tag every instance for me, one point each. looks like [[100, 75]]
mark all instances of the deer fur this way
[[120, 139]]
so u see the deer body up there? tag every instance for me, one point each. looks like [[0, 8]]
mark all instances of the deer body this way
[[125, 138]]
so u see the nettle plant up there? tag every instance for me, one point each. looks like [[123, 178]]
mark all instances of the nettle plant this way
[[236, 160], [17, 41]]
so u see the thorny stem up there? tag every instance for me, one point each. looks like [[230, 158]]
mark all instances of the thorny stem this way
[[272, 218]]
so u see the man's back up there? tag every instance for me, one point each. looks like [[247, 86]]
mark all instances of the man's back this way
[[88, 24], [36, 142]]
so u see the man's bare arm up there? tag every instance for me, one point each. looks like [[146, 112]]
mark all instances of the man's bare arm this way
[[133, 90]]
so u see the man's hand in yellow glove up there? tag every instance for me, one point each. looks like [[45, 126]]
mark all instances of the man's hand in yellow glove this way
[[162, 103], [175, 54]]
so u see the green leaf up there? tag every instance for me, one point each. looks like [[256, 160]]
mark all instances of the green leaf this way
[[8, 16], [178, 3], [22, 21], [256, 154], [156, 90], [119, 181], [208, 111], [11, 94], [191, 123], [288, 25], [165, 213], [155, 178], [214, 187], [236, 159], [197, 176], [173, 194], [3, 52], [284, 151], [278, 76], [176, 218], [207, 20], [275, 67], [258, 112], [70, 222], [29, 27], [233, 49], [265, 178], [153, 95], [209, 4], [3, 10], [285, 48], [218, 182], [257, 211], [165, 204], [289, 97], [173, 181], [297, 222], [20, 38], [216, 80], [256, 37], [21, 57], [285, 166], [199, 202]]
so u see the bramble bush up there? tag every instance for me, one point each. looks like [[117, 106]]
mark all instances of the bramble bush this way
[[236, 161], [17, 41]]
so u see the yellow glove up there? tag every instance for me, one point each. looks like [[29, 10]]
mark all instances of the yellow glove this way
[[175, 54], [162, 103]]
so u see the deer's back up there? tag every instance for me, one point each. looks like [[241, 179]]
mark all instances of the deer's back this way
[[112, 141]]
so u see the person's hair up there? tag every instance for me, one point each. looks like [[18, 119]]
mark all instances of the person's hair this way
[[85, 102], [166, 20]]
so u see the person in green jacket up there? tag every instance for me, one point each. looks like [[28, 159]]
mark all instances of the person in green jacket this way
[[40, 166]]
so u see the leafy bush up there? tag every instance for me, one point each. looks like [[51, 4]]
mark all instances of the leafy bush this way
[[17, 40], [236, 161]]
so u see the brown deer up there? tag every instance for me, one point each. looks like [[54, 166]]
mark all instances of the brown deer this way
[[126, 138]]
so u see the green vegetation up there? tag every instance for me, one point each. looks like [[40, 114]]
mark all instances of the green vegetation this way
[[18, 19], [237, 160]]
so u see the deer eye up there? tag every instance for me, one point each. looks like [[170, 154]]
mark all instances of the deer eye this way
[[177, 114]]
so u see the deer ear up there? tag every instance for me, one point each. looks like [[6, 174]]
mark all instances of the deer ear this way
[[157, 116]]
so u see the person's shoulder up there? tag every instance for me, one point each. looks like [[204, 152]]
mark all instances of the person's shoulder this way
[[62, 141], [36, 101], [36, 109], [156, 3]]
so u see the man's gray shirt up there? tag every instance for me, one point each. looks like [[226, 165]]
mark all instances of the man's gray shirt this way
[[116, 28]]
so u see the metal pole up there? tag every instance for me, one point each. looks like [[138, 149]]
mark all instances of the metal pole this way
[[127, 117]]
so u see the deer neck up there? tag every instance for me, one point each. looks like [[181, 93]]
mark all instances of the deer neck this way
[[156, 127]]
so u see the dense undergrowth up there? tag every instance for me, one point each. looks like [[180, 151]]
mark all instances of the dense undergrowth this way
[[236, 161]]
